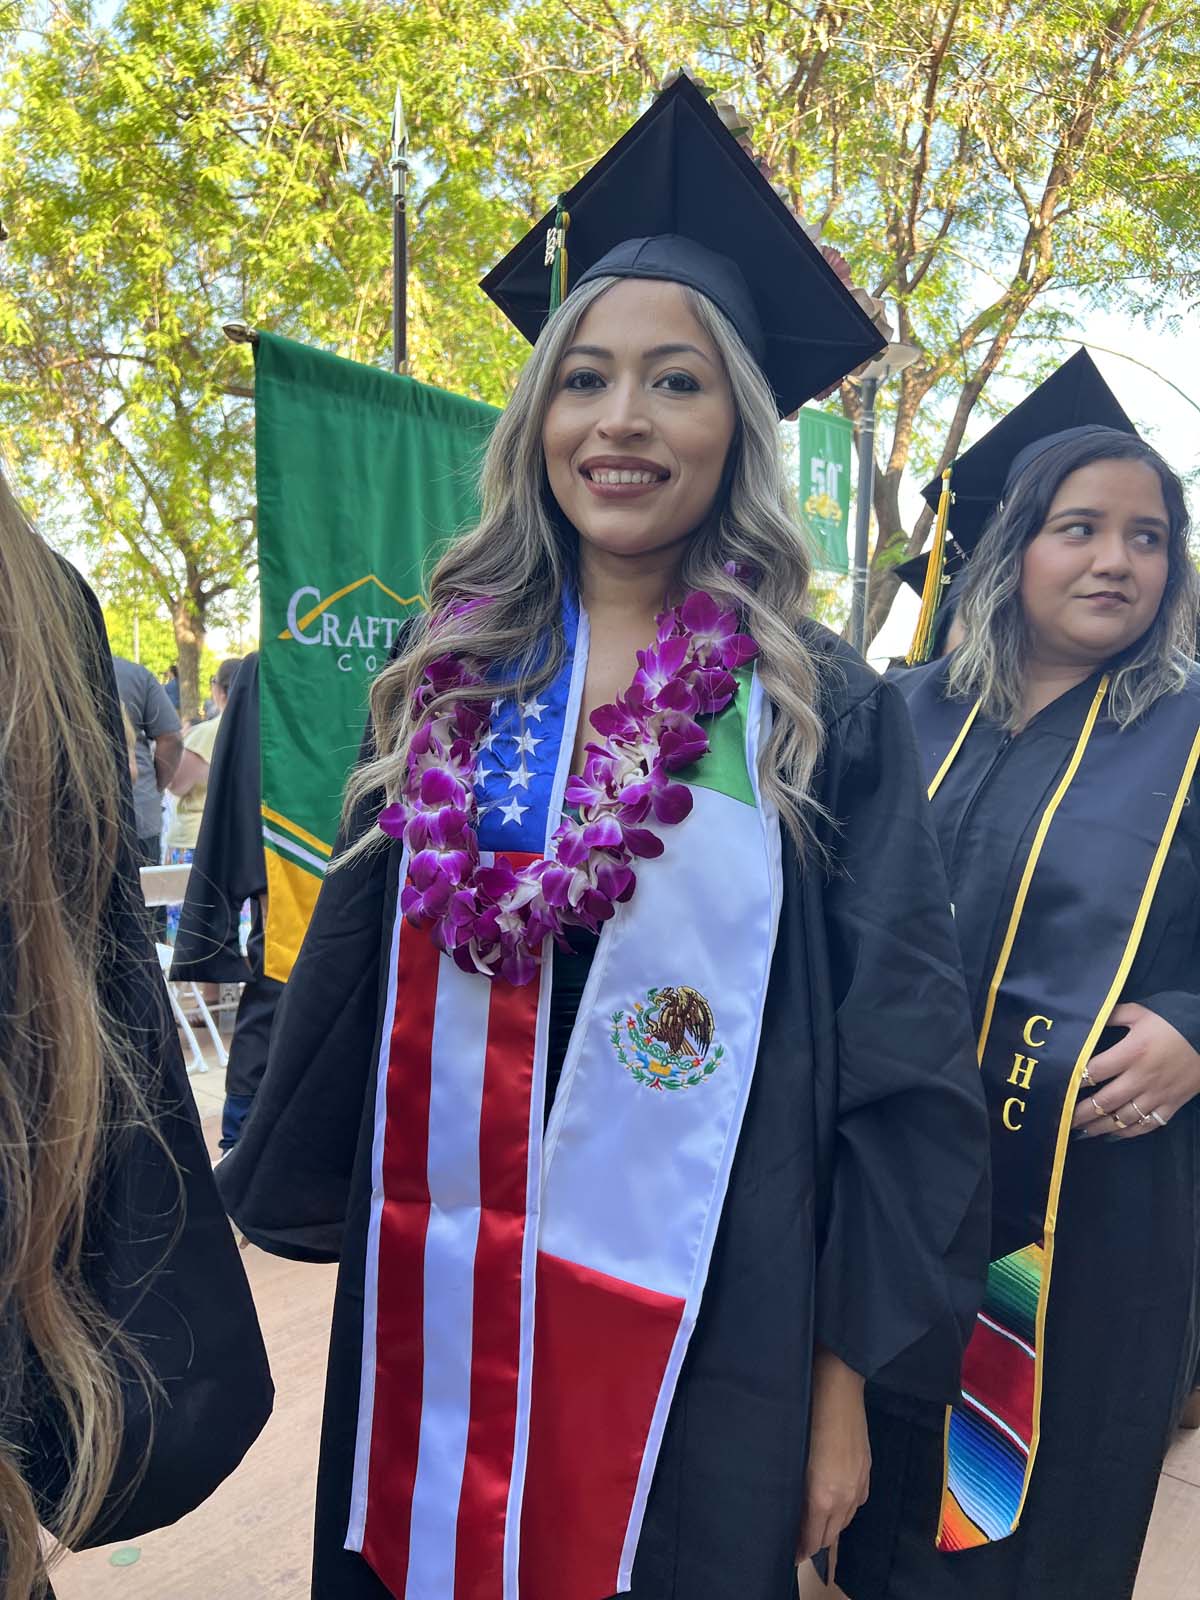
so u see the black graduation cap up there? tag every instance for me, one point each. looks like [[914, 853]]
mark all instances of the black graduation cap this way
[[1074, 396], [677, 198]]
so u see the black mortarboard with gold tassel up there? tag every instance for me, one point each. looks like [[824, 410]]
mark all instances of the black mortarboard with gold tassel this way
[[1073, 396], [678, 198]]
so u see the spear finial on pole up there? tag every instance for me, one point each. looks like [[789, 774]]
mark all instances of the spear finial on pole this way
[[399, 171]]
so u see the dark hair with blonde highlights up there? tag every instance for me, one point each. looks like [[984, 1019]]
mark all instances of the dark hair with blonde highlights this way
[[989, 665]]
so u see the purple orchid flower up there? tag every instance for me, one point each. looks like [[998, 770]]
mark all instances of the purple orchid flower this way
[[495, 919], [714, 632]]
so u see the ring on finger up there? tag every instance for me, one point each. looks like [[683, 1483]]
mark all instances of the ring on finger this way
[[1142, 1117], [1157, 1116], [1117, 1120], [1097, 1107], [1087, 1081]]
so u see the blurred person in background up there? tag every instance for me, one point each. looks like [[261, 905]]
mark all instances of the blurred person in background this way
[[190, 782], [158, 745], [171, 684], [229, 873], [133, 1376]]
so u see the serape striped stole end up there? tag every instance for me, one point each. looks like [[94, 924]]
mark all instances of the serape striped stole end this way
[[991, 1435]]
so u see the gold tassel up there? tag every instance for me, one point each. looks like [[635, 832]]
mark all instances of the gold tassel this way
[[556, 256], [931, 594]]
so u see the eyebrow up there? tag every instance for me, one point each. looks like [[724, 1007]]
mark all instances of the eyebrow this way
[[652, 354], [1090, 511]]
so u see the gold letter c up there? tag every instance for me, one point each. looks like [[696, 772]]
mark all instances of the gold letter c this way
[[1013, 1127], [1035, 1044]]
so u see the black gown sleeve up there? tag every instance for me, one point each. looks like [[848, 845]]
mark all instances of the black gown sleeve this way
[[228, 865], [1178, 1000], [901, 1267], [287, 1182], [160, 1256]]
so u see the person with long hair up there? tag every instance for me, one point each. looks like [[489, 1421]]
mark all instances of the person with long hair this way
[[133, 1376], [1060, 741], [626, 1062]]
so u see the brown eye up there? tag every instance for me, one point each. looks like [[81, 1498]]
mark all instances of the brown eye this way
[[679, 383]]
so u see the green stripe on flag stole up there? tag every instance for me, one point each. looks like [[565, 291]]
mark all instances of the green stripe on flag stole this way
[[723, 769], [1013, 1287]]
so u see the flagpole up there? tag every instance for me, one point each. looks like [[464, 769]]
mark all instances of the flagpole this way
[[399, 169]]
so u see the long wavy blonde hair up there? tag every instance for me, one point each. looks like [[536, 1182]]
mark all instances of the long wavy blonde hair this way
[[989, 665], [522, 553], [65, 1088]]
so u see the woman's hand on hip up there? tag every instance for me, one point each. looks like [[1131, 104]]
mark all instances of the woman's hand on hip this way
[[839, 1454], [1139, 1084]]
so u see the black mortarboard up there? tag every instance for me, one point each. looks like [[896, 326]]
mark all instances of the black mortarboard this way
[[677, 198], [1075, 396]]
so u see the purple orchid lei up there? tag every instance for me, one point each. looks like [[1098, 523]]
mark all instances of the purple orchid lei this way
[[494, 919]]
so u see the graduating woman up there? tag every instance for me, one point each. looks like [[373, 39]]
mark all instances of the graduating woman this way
[[1060, 741], [132, 1373], [623, 1350]]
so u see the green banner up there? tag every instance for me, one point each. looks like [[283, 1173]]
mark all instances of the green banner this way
[[825, 444], [361, 475]]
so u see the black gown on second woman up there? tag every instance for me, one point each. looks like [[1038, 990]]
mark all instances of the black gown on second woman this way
[[1123, 1324]]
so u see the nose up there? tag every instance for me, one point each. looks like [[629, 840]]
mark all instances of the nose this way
[[1110, 554], [624, 413]]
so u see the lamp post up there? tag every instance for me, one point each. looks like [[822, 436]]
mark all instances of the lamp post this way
[[894, 359], [399, 169]]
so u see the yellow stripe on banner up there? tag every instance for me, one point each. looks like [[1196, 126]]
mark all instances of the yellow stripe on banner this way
[[311, 616], [1068, 1113], [1035, 851], [954, 749], [291, 896], [301, 833]]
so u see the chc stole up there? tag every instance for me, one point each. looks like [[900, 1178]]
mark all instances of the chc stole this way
[[1071, 935], [529, 1300]]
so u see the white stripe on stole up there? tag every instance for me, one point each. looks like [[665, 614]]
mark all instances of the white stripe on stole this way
[[460, 1029], [537, 1113], [366, 1398], [758, 725], [705, 914]]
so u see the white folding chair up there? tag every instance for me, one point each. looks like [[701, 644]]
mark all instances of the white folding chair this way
[[167, 886]]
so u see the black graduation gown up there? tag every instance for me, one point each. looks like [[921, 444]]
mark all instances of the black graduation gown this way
[[229, 867], [1123, 1321], [160, 1255], [856, 1212]]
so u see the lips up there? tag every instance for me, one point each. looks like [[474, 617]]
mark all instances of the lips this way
[[1106, 594], [623, 471]]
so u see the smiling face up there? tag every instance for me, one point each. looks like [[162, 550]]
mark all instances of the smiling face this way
[[1093, 578], [640, 423]]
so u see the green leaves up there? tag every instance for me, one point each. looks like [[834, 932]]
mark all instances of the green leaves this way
[[176, 168]]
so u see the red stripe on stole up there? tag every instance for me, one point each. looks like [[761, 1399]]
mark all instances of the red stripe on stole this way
[[496, 1350], [400, 1313], [1000, 1375], [602, 1347]]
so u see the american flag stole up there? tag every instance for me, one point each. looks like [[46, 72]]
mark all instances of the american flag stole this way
[[529, 1298]]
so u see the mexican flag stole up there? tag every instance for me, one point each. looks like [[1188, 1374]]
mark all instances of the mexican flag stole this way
[[529, 1299], [1070, 937]]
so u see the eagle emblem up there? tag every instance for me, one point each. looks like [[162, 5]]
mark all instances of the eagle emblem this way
[[668, 1040]]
